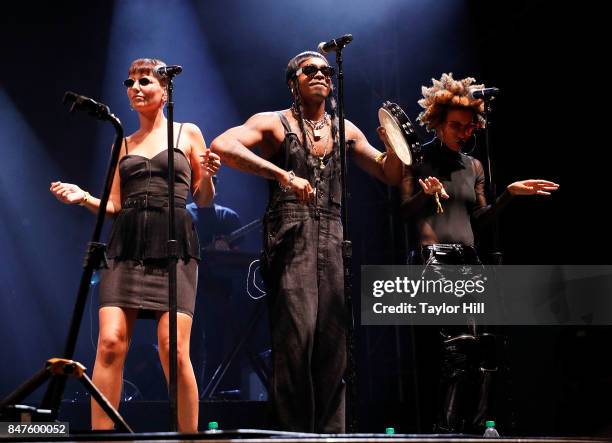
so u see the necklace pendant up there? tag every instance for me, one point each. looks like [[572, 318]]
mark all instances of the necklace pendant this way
[[321, 164], [316, 134]]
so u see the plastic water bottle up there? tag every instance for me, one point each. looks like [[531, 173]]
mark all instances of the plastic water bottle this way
[[213, 427], [390, 431], [490, 432]]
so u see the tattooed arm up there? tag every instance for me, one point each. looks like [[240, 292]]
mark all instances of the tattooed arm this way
[[264, 130]]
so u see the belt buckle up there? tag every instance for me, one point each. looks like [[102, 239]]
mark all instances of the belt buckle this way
[[440, 249]]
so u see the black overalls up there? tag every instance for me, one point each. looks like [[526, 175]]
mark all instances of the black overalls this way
[[302, 263]]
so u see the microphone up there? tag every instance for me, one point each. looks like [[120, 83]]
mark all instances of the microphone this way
[[484, 93], [92, 107], [169, 71], [334, 45]]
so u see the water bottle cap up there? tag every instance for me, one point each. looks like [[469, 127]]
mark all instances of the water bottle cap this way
[[490, 423], [213, 425], [390, 431]]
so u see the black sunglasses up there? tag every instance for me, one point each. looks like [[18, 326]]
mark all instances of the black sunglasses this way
[[144, 81], [311, 70]]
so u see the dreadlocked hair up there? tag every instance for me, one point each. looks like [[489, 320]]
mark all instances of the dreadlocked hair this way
[[292, 82], [446, 94], [333, 114], [297, 109]]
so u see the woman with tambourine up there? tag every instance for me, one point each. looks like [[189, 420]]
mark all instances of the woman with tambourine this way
[[443, 194]]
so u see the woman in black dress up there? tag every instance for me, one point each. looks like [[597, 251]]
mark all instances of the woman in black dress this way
[[136, 282]]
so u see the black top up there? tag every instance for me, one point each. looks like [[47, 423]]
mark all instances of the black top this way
[[292, 156], [140, 231], [464, 180]]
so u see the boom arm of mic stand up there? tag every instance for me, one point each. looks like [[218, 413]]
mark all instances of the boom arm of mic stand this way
[[92, 107]]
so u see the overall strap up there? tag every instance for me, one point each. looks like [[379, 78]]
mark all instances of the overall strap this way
[[284, 121]]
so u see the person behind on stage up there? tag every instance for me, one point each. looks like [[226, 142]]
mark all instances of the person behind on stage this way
[[136, 280], [444, 198], [215, 224], [302, 257]]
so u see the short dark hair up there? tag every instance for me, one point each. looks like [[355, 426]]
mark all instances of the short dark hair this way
[[147, 66]]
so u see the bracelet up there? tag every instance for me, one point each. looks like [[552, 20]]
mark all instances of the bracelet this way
[[85, 199], [288, 186], [381, 157], [439, 208]]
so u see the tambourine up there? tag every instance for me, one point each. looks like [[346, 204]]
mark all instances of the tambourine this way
[[400, 133]]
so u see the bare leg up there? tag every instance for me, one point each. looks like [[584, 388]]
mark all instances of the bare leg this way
[[116, 326], [186, 382]]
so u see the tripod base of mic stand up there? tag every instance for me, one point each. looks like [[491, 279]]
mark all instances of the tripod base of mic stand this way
[[61, 367], [214, 382]]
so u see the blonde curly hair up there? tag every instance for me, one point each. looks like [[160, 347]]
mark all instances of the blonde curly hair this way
[[445, 94]]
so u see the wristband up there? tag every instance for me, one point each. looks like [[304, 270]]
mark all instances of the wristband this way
[[85, 199], [288, 186]]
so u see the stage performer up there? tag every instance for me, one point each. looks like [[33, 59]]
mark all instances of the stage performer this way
[[302, 258], [445, 198], [136, 281]]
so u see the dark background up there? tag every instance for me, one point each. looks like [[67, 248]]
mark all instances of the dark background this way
[[545, 124]]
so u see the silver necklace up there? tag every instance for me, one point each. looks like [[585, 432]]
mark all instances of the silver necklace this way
[[322, 156], [317, 126]]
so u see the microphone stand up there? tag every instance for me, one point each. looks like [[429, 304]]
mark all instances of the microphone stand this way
[[496, 258], [172, 262], [495, 255], [347, 254], [95, 258]]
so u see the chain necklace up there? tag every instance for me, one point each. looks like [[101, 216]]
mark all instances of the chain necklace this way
[[325, 143], [317, 126]]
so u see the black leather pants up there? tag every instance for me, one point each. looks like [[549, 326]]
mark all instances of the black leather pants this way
[[468, 352]]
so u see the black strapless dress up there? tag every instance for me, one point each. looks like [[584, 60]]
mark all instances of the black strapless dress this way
[[137, 276]]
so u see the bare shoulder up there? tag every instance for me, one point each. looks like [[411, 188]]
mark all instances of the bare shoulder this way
[[129, 143], [263, 130], [134, 137], [352, 131], [192, 130], [264, 120], [268, 124]]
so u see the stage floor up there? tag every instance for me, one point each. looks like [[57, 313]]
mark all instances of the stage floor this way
[[266, 436]]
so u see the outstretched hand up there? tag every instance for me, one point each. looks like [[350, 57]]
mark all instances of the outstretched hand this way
[[67, 192], [532, 187], [431, 186]]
